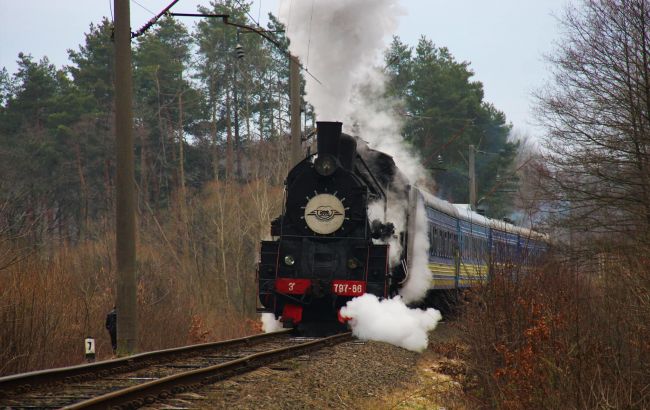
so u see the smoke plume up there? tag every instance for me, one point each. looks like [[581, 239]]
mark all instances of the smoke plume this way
[[338, 41], [341, 43], [419, 279], [391, 321]]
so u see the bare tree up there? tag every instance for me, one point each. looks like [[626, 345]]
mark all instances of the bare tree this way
[[597, 172], [597, 111]]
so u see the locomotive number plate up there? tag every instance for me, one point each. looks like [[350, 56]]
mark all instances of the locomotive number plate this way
[[292, 286], [349, 287]]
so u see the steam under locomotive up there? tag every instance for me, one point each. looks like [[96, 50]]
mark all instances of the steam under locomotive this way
[[326, 250]]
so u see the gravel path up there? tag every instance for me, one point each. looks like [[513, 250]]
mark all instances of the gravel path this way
[[354, 375]]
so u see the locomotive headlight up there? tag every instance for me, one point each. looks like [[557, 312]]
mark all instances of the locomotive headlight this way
[[325, 165], [353, 263], [289, 260]]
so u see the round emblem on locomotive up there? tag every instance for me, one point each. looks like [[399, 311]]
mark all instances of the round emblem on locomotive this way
[[324, 214]]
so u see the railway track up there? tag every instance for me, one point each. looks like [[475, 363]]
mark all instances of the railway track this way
[[145, 378]]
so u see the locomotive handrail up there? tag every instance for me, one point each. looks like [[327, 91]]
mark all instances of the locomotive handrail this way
[[372, 176]]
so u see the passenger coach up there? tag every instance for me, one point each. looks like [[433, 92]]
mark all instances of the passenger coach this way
[[464, 246]]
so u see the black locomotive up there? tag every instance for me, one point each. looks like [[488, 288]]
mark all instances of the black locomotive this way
[[322, 253]]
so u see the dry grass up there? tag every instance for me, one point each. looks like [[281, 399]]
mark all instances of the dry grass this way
[[196, 281]]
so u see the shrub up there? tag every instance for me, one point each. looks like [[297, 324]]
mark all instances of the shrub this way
[[560, 337]]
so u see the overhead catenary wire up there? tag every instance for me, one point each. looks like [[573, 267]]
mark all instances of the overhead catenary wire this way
[[290, 10], [249, 14], [311, 18], [224, 17], [143, 7], [153, 20], [261, 32]]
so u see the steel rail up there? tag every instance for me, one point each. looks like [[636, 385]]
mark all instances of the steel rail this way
[[26, 381], [150, 392]]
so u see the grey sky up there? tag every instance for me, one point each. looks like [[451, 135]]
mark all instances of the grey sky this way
[[504, 40]]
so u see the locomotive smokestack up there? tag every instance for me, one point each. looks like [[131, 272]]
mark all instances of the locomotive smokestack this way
[[329, 134], [347, 152]]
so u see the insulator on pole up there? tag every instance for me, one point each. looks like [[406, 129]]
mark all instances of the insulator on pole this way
[[239, 51]]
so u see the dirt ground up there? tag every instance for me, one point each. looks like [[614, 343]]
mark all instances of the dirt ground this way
[[439, 379], [354, 375]]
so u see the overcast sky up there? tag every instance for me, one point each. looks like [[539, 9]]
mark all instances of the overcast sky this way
[[504, 40]]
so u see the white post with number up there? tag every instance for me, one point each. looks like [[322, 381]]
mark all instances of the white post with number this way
[[89, 345]]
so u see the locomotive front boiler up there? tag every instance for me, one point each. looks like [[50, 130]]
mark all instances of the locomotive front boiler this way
[[322, 254]]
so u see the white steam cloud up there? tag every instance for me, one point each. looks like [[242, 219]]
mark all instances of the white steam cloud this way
[[419, 279], [270, 323], [341, 42], [379, 123], [419, 276], [338, 41], [391, 321]]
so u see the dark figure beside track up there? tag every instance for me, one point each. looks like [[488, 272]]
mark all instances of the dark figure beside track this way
[[111, 326]]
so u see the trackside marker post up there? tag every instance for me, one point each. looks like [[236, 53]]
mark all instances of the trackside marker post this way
[[89, 345]]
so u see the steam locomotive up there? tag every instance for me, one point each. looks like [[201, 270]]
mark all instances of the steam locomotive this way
[[327, 248]]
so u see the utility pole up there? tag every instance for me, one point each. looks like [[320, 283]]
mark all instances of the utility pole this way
[[239, 54], [294, 95], [472, 179], [125, 189]]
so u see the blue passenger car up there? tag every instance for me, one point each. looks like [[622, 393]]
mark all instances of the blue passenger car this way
[[464, 247]]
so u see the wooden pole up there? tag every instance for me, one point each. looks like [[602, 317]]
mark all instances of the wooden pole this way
[[472, 179], [294, 95], [125, 189]]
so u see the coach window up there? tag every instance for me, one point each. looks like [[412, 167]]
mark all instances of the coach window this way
[[434, 246], [463, 246], [446, 252], [453, 243], [435, 241], [443, 248], [447, 244], [432, 239], [471, 248], [474, 248]]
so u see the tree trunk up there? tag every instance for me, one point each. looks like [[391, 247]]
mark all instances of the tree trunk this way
[[213, 131], [228, 138]]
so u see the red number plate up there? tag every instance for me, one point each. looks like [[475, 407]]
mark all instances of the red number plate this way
[[349, 287], [292, 286]]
